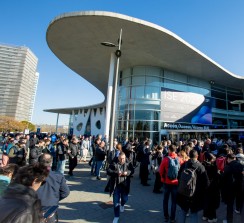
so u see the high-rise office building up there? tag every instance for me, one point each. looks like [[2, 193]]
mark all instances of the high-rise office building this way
[[18, 82]]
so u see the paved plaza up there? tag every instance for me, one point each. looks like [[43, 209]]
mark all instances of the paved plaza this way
[[88, 202]]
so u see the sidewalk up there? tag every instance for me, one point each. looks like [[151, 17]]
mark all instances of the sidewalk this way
[[87, 201]]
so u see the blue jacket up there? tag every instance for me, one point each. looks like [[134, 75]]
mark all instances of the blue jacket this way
[[54, 190]]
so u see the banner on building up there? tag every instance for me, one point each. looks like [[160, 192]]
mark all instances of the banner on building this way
[[185, 107]]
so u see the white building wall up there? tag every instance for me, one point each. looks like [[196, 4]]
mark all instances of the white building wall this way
[[99, 115], [95, 115], [81, 117]]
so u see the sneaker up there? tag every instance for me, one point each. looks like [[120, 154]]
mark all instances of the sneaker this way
[[99, 178], [212, 220], [238, 212], [187, 214], [122, 208], [225, 221], [204, 218], [116, 220]]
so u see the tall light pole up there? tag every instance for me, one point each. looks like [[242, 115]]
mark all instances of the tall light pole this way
[[114, 98]]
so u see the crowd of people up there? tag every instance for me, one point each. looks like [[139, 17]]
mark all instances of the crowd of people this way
[[195, 174], [30, 186]]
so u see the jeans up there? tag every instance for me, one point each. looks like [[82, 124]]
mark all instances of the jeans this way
[[61, 166], [98, 167], [170, 189], [182, 217], [120, 197]]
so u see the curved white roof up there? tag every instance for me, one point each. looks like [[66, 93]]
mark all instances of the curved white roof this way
[[75, 39]]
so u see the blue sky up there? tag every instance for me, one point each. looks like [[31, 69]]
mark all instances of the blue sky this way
[[215, 27]]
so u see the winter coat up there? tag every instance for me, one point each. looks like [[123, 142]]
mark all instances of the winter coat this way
[[115, 179], [145, 160], [20, 204], [100, 154], [196, 202], [212, 196], [33, 142], [62, 152], [74, 148], [231, 180], [54, 190], [34, 154]]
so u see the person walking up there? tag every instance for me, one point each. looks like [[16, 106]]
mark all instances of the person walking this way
[[100, 157], [74, 148], [144, 162], [62, 150], [157, 159], [212, 196], [120, 171], [85, 147], [193, 201], [232, 180], [36, 152], [168, 170]]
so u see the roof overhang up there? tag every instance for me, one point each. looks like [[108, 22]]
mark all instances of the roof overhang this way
[[75, 38], [68, 111]]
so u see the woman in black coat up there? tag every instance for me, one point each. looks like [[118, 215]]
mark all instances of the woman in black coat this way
[[212, 196]]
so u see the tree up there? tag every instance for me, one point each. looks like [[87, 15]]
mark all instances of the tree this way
[[10, 124], [29, 125]]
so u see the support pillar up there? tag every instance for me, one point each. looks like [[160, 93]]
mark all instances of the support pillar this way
[[109, 94]]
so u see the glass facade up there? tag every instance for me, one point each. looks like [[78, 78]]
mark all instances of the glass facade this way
[[139, 101]]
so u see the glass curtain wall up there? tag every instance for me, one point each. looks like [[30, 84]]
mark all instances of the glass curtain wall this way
[[139, 101]]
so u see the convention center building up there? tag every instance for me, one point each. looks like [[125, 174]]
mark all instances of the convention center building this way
[[163, 86]]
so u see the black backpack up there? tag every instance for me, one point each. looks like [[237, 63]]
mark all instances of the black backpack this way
[[187, 182]]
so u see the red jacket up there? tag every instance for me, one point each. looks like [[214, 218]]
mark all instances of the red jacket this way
[[163, 169]]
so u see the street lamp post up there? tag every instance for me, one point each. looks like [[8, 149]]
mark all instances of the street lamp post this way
[[114, 98]]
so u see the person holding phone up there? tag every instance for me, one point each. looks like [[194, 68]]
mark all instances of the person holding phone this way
[[120, 172]]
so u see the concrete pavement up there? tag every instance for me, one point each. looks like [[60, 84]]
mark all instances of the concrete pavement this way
[[87, 201]]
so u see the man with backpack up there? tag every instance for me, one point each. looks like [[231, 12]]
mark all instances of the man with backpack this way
[[193, 182], [168, 171]]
